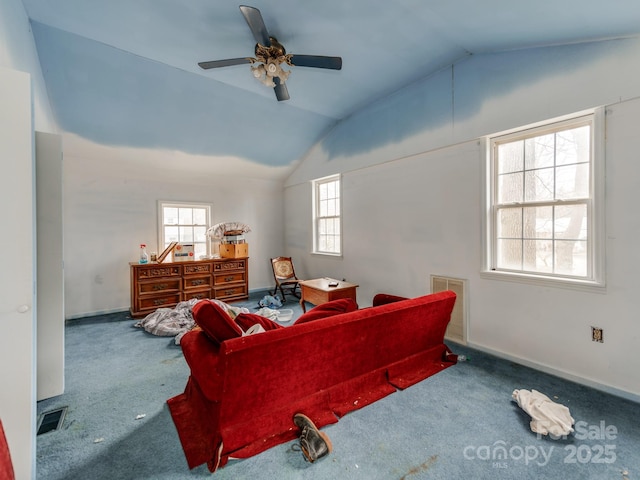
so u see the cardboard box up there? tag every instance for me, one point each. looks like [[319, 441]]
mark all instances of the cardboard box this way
[[183, 252], [234, 250]]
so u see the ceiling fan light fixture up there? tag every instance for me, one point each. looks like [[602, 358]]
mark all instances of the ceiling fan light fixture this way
[[272, 68], [266, 68], [271, 56]]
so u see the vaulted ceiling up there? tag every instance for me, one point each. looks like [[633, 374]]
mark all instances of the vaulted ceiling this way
[[125, 73]]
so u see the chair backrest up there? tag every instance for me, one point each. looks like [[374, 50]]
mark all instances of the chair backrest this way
[[283, 268]]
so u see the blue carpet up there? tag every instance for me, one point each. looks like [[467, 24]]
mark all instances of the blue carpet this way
[[458, 424]]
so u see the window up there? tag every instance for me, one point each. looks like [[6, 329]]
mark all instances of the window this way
[[185, 223], [326, 215], [544, 214]]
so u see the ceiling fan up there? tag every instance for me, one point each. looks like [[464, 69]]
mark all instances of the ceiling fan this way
[[271, 56]]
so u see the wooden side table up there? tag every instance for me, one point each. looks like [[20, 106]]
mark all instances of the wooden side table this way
[[318, 291]]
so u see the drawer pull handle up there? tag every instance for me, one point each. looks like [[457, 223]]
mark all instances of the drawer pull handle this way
[[197, 282], [228, 279], [160, 301], [229, 292], [160, 286]]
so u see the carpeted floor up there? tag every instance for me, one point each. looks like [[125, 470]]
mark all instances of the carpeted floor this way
[[458, 424]]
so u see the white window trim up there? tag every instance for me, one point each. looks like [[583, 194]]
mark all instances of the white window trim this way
[[598, 250], [173, 203], [314, 189]]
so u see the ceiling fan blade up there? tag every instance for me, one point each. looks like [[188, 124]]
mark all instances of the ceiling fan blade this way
[[254, 19], [223, 63], [317, 61], [282, 93]]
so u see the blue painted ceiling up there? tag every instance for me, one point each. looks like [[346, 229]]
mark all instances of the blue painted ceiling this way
[[124, 72]]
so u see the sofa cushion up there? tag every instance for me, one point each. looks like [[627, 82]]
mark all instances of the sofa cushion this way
[[247, 320], [329, 309], [215, 322], [384, 298]]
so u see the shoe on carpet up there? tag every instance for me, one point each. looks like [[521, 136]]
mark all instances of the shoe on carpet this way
[[313, 443]]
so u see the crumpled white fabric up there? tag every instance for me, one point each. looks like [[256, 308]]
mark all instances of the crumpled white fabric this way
[[175, 322], [547, 416]]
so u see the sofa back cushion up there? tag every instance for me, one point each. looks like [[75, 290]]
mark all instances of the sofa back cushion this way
[[329, 309], [384, 298], [215, 322]]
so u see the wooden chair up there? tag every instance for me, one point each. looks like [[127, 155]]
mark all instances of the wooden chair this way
[[285, 276]]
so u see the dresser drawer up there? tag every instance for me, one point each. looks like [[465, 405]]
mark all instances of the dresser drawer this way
[[198, 294], [197, 268], [230, 292], [156, 271], [160, 301], [165, 285], [229, 277], [227, 266], [197, 281]]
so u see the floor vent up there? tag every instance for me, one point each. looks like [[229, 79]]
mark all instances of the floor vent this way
[[457, 328], [52, 420]]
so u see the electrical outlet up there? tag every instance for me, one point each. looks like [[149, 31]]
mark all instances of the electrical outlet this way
[[597, 335]]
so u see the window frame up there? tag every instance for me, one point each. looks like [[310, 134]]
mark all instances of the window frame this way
[[316, 184], [180, 204], [595, 279]]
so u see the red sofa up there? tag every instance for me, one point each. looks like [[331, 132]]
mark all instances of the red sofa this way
[[6, 467], [243, 392]]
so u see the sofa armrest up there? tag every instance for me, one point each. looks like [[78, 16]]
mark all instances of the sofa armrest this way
[[384, 298]]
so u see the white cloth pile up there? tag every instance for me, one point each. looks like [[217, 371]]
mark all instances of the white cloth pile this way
[[175, 322], [547, 417]]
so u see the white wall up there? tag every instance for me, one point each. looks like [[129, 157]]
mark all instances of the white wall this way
[[18, 52], [110, 208], [18, 307], [25, 107], [412, 178]]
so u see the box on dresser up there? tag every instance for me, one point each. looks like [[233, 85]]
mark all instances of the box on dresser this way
[[155, 285], [234, 250]]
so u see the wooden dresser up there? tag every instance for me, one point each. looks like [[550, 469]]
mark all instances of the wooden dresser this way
[[156, 285]]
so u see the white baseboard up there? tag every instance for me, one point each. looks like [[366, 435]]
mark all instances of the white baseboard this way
[[558, 373]]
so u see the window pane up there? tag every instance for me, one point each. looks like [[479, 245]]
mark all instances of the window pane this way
[[170, 235], [538, 222], [572, 181], [186, 234], [199, 216], [322, 191], [539, 152], [538, 256], [331, 190], [510, 254], [322, 211], [322, 226], [170, 216], [539, 185], [510, 223], [571, 258], [185, 216], [571, 222], [199, 234], [510, 188], [511, 156], [331, 208], [573, 145]]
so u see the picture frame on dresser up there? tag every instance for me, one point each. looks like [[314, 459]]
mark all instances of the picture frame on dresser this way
[[165, 253]]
